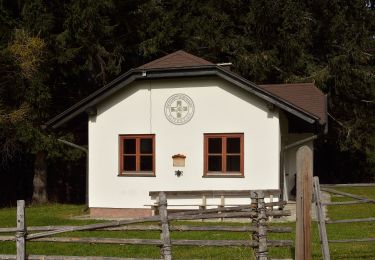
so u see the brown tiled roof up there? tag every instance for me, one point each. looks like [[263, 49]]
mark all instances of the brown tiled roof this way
[[176, 59], [303, 95]]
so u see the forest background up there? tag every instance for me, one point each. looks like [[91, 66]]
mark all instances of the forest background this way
[[55, 52]]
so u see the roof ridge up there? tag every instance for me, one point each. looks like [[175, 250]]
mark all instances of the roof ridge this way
[[178, 58], [159, 59], [193, 57]]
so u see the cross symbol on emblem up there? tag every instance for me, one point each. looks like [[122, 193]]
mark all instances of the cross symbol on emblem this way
[[178, 109]]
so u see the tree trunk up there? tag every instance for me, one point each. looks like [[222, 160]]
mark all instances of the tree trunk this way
[[40, 179]]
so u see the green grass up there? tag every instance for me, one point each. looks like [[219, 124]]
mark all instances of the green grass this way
[[58, 214], [352, 230]]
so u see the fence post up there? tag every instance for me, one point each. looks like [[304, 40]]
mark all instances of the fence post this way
[[166, 248], [21, 230], [303, 203], [254, 236], [262, 227], [321, 220], [261, 251], [271, 208]]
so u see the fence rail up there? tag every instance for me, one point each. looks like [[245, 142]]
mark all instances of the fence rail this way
[[63, 257], [322, 218], [158, 228], [258, 212], [348, 185]]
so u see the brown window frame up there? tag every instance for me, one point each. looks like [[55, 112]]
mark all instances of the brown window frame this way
[[138, 154], [224, 173]]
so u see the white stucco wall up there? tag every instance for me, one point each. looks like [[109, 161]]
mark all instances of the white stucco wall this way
[[219, 108]]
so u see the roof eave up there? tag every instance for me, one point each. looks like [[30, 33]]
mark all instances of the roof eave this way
[[193, 71]]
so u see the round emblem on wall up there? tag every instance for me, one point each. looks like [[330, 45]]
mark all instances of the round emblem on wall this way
[[179, 109]]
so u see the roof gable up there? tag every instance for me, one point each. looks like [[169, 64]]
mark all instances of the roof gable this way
[[181, 64], [176, 59]]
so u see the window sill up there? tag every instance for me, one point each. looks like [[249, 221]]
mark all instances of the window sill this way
[[137, 174], [222, 175]]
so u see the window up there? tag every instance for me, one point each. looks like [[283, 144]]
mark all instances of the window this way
[[137, 155], [223, 155]]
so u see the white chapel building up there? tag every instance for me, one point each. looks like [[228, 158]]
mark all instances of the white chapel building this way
[[183, 123]]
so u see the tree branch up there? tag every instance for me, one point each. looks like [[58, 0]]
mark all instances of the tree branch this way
[[368, 101], [348, 129]]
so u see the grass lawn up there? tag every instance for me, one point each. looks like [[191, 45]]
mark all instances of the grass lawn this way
[[57, 214]]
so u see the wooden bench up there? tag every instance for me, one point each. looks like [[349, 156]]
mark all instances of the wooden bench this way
[[210, 194]]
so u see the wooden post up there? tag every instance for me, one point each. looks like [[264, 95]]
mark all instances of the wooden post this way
[[254, 236], [222, 204], [21, 230], [271, 208], [166, 248], [203, 206], [156, 208], [262, 227], [204, 203], [260, 235], [321, 220], [303, 203]]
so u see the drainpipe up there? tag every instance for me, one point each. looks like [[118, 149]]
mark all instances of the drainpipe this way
[[84, 149], [282, 165], [282, 174]]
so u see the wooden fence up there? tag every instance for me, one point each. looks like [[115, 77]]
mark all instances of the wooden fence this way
[[258, 212], [322, 218]]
